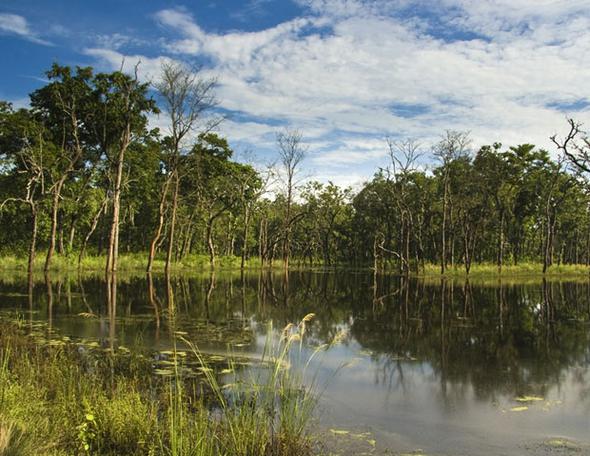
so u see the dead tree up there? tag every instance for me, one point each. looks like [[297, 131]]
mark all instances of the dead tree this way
[[291, 155]]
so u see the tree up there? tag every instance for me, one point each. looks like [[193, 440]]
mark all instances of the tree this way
[[251, 186], [212, 182], [120, 104], [403, 156], [186, 96], [325, 207], [452, 146], [23, 144], [291, 155], [498, 188], [61, 106], [575, 145]]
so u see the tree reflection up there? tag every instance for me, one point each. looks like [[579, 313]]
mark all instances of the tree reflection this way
[[493, 338]]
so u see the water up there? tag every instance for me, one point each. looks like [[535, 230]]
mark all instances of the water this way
[[436, 367]]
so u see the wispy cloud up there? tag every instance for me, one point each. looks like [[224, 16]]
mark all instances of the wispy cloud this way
[[118, 41], [13, 24], [148, 68], [251, 8]]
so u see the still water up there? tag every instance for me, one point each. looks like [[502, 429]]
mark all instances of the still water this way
[[423, 367]]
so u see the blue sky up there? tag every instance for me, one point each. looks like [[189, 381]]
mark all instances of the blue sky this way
[[346, 73]]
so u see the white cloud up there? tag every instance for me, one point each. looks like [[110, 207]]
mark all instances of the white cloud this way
[[236, 46], [14, 24], [351, 69], [349, 152]]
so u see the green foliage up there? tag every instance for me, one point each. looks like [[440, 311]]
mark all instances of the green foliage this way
[[59, 168]]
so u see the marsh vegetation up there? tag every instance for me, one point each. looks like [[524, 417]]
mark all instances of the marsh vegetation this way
[[455, 278], [63, 396]]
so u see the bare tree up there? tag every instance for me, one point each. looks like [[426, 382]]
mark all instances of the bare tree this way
[[575, 146], [291, 154], [453, 145], [31, 158], [251, 188], [403, 156], [187, 96]]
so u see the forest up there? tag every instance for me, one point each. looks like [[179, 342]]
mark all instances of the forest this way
[[82, 173]]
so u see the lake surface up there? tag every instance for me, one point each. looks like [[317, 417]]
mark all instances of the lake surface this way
[[424, 367]]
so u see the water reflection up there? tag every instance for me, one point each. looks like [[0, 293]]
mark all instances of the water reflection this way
[[449, 355]]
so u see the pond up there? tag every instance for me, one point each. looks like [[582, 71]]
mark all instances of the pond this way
[[437, 367]]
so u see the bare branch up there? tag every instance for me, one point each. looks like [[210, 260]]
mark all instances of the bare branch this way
[[578, 153]]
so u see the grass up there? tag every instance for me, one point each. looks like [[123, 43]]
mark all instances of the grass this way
[[136, 263], [60, 399], [131, 262], [526, 269]]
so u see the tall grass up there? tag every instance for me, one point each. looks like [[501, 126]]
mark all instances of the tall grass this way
[[267, 410], [61, 400]]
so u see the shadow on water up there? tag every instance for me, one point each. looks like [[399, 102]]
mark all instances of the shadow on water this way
[[479, 365]]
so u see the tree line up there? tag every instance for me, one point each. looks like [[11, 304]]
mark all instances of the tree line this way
[[81, 171]]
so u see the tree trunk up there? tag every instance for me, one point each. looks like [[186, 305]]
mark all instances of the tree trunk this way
[[172, 222], [61, 236], [245, 237], [547, 246], [93, 226], [407, 247], [467, 253], [327, 259], [158, 232], [443, 256], [113, 249], [33, 244], [500, 258], [210, 245], [71, 236], [54, 212], [287, 234]]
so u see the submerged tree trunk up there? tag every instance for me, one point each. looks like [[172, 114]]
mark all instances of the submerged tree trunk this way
[[54, 219]]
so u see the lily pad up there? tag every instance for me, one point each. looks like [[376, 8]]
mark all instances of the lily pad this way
[[339, 432], [529, 399]]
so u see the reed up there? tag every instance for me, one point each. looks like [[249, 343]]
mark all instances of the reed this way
[[58, 399]]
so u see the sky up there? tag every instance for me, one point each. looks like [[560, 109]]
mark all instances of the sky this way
[[347, 74]]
